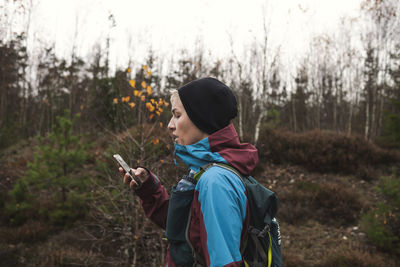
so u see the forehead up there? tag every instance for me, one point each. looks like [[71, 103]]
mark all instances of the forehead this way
[[176, 104]]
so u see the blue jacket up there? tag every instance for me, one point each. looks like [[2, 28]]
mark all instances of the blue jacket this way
[[219, 211]]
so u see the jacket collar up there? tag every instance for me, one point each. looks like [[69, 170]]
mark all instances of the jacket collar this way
[[222, 146]]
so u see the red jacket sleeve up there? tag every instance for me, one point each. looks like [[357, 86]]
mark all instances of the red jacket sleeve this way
[[154, 199]]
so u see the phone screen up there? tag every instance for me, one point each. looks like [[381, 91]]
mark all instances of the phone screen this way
[[122, 162], [127, 169]]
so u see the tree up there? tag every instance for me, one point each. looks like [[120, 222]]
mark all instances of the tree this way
[[299, 102], [384, 30], [381, 223], [13, 59], [391, 126], [370, 91], [53, 187]]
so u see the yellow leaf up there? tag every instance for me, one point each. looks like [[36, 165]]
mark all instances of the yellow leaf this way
[[162, 161], [140, 93], [143, 98], [161, 124], [132, 83], [128, 70], [150, 107], [160, 102], [158, 113], [132, 104], [126, 99], [156, 141], [149, 90], [144, 84], [115, 100], [135, 92], [149, 73], [152, 101], [151, 116], [166, 104], [145, 67], [161, 110]]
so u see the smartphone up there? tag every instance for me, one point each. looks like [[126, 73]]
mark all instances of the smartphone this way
[[127, 169]]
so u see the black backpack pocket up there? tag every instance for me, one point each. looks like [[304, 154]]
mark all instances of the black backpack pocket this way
[[180, 203]]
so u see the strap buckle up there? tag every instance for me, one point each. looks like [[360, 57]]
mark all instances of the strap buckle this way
[[264, 231]]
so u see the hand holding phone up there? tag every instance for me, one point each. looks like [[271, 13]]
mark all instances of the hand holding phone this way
[[127, 169]]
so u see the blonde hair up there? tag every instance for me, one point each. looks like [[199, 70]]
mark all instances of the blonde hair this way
[[174, 96]]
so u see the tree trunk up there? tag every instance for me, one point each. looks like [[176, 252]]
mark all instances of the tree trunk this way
[[318, 117], [366, 132], [373, 114], [258, 125], [335, 107], [380, 117], [350, 119], [294, 115], [3, 101], [240, 117]]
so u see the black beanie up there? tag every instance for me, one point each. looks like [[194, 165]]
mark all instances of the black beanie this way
[[209, 103]]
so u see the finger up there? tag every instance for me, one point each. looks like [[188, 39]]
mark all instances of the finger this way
[[141, 172], [127, 178], [121, 170], [137, 172], [133, 184]]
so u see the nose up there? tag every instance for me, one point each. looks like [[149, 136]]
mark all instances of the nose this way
[[171, 124]]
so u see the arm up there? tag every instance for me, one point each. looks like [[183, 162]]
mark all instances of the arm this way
[[154, 197], [154, 200], [223, 202]]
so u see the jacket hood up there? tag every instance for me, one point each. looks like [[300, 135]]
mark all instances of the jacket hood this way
[[222, 146]]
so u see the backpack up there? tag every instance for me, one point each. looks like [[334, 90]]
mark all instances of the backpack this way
[[263, 244]]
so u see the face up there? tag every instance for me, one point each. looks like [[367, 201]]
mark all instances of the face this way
[[181, 127]]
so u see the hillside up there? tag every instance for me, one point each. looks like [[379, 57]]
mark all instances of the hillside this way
[[320, 214]]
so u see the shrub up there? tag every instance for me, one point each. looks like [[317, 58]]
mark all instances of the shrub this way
[[391, 129], [323, 152], [31, 231], [118, 221], [382, 223], [330, 204], [352, 257]]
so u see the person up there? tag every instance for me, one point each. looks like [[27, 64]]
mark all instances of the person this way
[[206, 221]]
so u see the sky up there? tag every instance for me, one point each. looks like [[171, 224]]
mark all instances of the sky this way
[[169, 25]]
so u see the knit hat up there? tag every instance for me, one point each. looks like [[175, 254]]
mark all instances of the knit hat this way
[[209, 103]]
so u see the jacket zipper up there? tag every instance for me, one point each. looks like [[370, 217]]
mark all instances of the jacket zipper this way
[[187, 237]]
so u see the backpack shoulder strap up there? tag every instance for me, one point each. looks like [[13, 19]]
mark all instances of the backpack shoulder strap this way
[[219, 164]]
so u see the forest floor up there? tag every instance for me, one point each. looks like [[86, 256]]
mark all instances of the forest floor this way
[[319, 240], [312, 234]]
